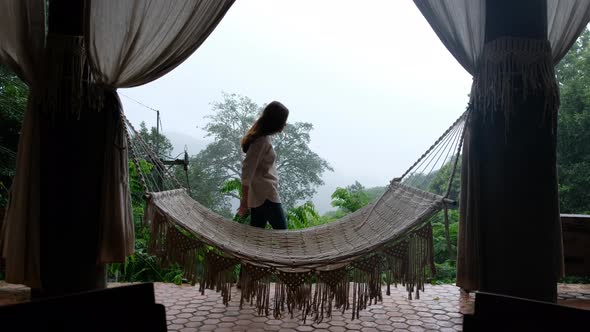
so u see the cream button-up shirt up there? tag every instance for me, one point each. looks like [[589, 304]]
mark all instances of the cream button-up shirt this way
[[260, 174]]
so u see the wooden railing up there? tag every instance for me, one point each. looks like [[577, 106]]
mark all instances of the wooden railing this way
[[576, 244]]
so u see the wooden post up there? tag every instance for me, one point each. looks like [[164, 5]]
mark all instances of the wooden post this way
[[72, 163], [518, 202]]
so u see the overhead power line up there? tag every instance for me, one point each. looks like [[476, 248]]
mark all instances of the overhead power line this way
[[139, 103]]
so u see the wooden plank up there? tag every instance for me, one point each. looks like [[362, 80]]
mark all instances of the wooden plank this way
[[576, 244]]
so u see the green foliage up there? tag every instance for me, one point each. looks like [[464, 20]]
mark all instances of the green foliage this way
[[441, 254], [205, 183], [141, 266], [351, 198], [440, 182], [355, 196], [4, 192], [575, 280], [232, 187], [242, 220], [13, 103], [446, 269], [437, 182], [158, 142], [135, 185], [303, 216], [446, 273], [419, 180], [573, 130], [300, 169]]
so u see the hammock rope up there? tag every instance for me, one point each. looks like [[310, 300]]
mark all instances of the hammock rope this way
[[335, 266]]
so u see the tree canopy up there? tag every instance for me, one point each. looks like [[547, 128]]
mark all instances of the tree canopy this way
[[13, 102], [158, 142], [573, 130], [300, 169], [351, 198]]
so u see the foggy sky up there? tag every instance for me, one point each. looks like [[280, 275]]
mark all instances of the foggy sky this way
[[371, 76]]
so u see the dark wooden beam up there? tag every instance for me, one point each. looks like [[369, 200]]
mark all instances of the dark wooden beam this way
[[72, 164], [518, 207]]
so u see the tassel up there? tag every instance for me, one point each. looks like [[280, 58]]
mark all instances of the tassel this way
[[279, 302], [171, 246], [255, 285], [332, 291], [397, 264], [420, 256], [495, 82], [218, 275], [295, 290], [69, 64], [367, 288]]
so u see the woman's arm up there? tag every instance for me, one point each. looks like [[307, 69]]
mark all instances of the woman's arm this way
[[249, 165], [243, 209]]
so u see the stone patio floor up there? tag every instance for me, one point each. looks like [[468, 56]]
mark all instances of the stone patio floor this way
[[440, 308]]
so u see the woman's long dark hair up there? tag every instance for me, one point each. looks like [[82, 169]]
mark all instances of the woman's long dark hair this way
[[273, 120]]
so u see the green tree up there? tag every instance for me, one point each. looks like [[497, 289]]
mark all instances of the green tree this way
[[440, 182], [13, 102], [208, 185], [441, 254], [158, 142], [419, 180], [351, 198], [446, 268], [573, 130], [300, 169], [303, 216], [141, 266]]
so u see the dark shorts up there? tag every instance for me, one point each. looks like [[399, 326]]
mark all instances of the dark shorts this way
[[270, 212]]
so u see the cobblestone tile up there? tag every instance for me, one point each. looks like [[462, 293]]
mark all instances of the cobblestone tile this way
[[440, 308]]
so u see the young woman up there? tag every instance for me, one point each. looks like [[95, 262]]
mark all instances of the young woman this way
[[260, 194]]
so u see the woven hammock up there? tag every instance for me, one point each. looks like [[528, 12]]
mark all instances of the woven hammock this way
[[340, 265]]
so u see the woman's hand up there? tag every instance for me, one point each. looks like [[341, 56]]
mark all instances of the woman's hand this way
[[243, 211]]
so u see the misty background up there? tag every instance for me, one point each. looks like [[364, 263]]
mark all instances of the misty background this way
[[371, 76]]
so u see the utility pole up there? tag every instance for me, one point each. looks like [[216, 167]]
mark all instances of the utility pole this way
[[157, 133]]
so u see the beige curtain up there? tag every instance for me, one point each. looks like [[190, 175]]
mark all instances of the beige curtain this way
[[460, 24], [128, 43], [131, 43], [22, 37], [134, 42], [566, 19]]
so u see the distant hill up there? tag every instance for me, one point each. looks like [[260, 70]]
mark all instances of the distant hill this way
[[180, 141]]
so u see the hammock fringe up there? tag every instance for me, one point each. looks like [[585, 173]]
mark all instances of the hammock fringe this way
[[307, 293], [170, 246], [218, 274]]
